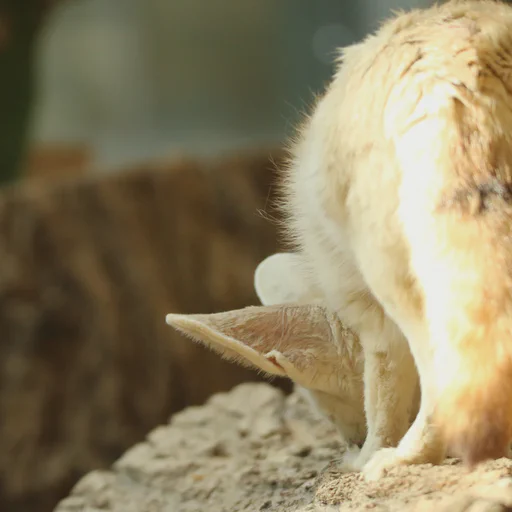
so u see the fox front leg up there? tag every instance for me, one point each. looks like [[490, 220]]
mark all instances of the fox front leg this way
[[391, 393]]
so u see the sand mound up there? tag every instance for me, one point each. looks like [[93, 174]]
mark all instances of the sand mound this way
[[254, 449]]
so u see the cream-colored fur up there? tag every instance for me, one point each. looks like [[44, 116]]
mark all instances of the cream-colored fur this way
[[399, 198], [279, 279]]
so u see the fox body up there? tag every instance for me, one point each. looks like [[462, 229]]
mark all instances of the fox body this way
[[400, 198], [399, 202]]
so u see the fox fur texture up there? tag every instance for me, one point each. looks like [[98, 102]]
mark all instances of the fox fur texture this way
[[399, 200]]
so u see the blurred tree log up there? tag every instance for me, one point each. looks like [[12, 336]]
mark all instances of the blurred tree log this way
[[20, 21], [90, 267], [56, 161]]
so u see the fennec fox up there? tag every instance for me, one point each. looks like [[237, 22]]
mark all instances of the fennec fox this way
[[399, 199]]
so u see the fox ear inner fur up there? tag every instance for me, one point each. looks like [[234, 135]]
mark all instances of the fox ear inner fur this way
[[301, 342], [306, 343]]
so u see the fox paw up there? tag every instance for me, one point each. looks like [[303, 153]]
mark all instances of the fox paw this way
[[351, 460], [381, 462]]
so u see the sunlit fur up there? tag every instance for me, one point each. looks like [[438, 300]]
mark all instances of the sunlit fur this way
[[399, 199]]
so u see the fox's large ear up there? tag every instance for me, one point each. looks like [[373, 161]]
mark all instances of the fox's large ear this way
[[306, 343], [281, 278]]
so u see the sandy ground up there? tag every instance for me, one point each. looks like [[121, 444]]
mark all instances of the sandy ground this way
[[253, 449]]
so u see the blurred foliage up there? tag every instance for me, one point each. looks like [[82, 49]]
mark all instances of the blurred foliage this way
[[19, 24]]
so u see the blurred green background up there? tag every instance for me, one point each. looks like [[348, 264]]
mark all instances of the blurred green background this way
[[128, 80]]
